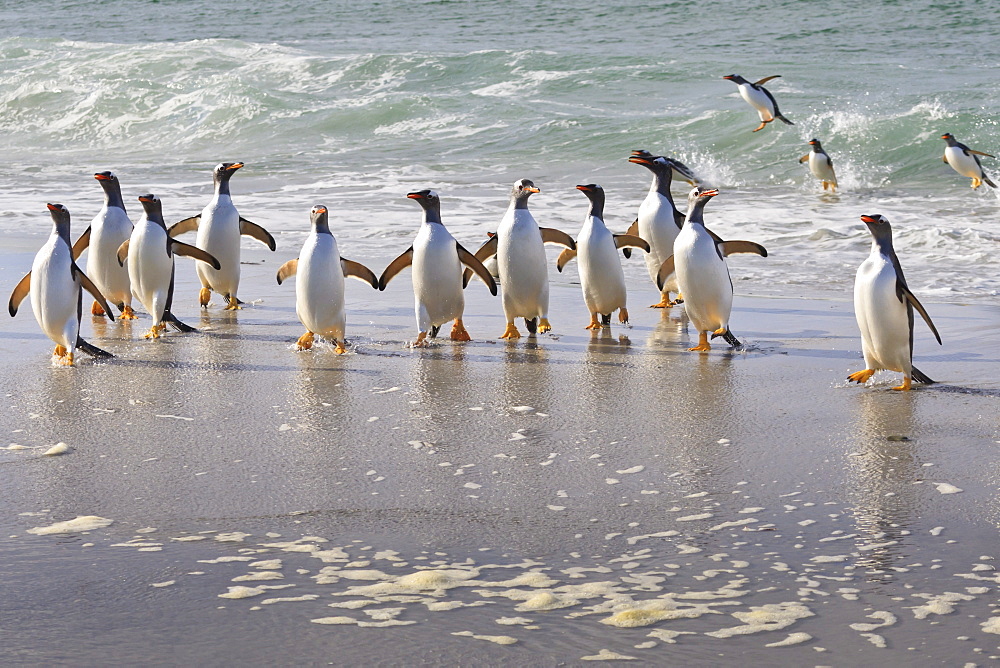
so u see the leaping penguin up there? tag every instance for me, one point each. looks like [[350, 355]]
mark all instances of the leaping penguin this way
[[150, 253], [519, 246], [601, 275], [319, 286], [108, 230], [820, 165], [437, 261], [55, 283], [219, 227], [965, 161], [883, 306], [759, 98]]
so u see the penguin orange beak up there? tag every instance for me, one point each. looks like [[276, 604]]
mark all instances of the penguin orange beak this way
[[946, 135], [708, 193], [869, 219], [102, 177], [640, 160], [52, 207], [144, 198], [728, 76], [415, 195], [235, 165], [320, 209], [533, 189], [583, 188]]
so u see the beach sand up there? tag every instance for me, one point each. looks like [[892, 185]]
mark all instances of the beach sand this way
[[560, 498]]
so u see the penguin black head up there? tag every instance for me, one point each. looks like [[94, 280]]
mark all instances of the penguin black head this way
[[595, 194], [522, 190], [153, 208], [950, 138], [641, 153], [735, 78], [698, 198], [877, 224], [227, 168], [319, 218], [105, 176], [430, 203], [814, 142], [59, 213]]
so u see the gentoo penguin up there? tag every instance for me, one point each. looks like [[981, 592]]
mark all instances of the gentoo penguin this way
[[55, 284], [759, 98], [150, 252], [658, 222], [699, 261], [681, 171], [108, 230], [437, 261], [883, 305], [601, 275], [820, 165], [519, 248], [219, 228], [965, 161], [319, 288]]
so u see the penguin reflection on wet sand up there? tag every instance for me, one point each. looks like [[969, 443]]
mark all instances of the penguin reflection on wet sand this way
[[759, 98], [319, 286], [601, 277], [965, 161], [883, 306], [437, 260], [820, 165], [519, 246], [55, 284], [219, 227]]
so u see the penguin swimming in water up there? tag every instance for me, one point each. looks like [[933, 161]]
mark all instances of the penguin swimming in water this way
[[699, 261], [820, 165], [319, 286], [601, 277], [108, 230], [437, 260], [883, 306], [219, 227], [520, 251], [965, 161], [150, 253], [759, 98], [55, 284]]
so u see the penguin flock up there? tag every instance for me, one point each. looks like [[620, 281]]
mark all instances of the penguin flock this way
[[683, 256]]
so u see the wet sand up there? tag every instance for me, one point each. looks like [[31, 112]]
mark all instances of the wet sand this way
[[542, 502]]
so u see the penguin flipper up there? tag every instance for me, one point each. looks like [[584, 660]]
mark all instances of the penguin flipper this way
[[803, 158], [470, 261], [666, 269], [564, 258], [181, 248], [359, 271], [91, 349], [123, 253], [257, 232], [763, 81], [184, 226], [554, 236], [622, 240], [289, 269], [81, 243], [686, 172], [633, 229], [904, 293], [732, 247], [981, 153], [485, 252], [20, 292], [89, 286], [396, 266]]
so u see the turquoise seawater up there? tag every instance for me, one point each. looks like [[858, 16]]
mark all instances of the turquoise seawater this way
[[354, 104]]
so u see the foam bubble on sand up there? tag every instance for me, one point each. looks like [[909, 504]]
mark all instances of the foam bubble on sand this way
[[650, 612], [57, 449], [694, 518], [499, 640], [792, 639], [662, 534], [735, 523], [188, 539], [514, 621], [162, 584], [75, 525], [770, 617], [668, 636], [888, 619], [875, 639], [607, 655], [290, 599], [259, 575], [240, 591], [635, 469], [16, 446], [231, 537], [991, 625], [942, 604], [224, 560], [270, 564], [946, 488]]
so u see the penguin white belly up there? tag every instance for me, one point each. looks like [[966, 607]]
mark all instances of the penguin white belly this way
[[965, 165], [882, 317], [437, 277], [759, 100], [703, 277], [219, 234], [55, 295], [319, 288], [601, 275], [109, 230], [658, 229], [524, 278], [820, 167], [150, 268]]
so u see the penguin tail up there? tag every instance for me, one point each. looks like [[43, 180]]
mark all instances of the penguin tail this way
[[434, 331], [729, 338], [177, 324], [531, 324], [920, 376], [988, 182], [91, 349], [784, 120]]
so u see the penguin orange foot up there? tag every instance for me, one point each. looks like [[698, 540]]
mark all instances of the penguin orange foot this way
[[703, 345], [204, 296], [905, 387], [232, 303], [154, 331], [421, 341], [595, 322], [305, 341], [458, 332], [128, 313], [511, 332], [340, 349], [623, 315], [544, 326], [66, 360], [97, 309], [861, 377], [60, 351], [664, 301]]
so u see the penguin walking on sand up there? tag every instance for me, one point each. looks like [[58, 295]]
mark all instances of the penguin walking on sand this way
[[219, 227], [437, 260], [150, 254], [699, 261], [601, 277], [319, 286], [55, 284], [519, 246], [820, 165], [883, 306], [108, 230], [759, 98], [965, 161]]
